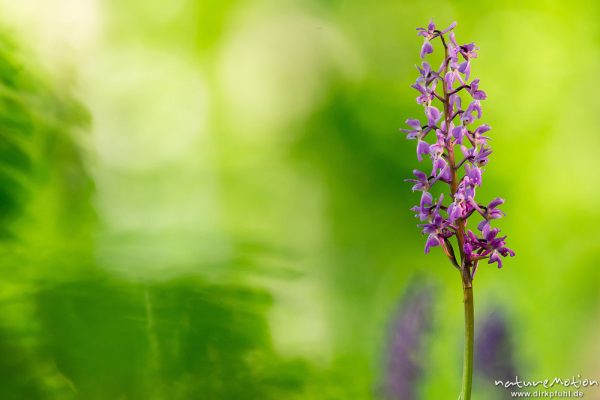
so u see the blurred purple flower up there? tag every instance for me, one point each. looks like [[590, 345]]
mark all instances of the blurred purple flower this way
[[403, 353], [494, 349]]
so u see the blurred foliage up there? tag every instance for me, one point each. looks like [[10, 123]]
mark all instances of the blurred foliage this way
[[179, 339], [204, 199], [35, 147]]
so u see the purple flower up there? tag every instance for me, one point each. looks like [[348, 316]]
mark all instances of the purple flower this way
[[427, 48], [478, 134], [490, 212], [455, 211], [416, 131], [489, 245], [463, 177], [431, 33], [441, 169], [433, 115], [432, 241], [437, 149], [467, 117], [455, 104], [421, 183], [424, 72], [476, 156], [427, 92], [473, 89], [468, 51], [439, 166], [453, 51], [474, 174], [462, 206], [424, 209], [422, 148], [465, 69], [458, 133], [449, 28], [449, 79], [438, 230]]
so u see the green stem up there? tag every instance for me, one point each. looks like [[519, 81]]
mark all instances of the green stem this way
[[467, 381]]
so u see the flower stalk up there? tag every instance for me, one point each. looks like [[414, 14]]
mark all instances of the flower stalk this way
[[467, 378], [453, 128]]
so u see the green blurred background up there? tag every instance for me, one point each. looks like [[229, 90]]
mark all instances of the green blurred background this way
[[205, 200]]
